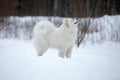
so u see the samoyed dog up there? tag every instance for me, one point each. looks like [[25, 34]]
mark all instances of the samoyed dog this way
[[47, 35]]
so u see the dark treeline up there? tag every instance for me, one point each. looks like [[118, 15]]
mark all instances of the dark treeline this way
[[64, 8]]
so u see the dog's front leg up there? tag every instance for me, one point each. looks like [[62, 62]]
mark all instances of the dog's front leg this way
[[69, 52], [62, 53]]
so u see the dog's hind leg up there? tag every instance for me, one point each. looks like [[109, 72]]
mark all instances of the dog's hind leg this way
[[41, 50], [40, 46]]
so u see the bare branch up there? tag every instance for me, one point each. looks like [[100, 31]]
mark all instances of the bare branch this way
[[83, 28]]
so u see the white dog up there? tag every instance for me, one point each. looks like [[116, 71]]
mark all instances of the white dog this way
[[46, 35]]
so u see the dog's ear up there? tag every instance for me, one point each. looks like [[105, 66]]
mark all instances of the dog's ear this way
[[66, 22]]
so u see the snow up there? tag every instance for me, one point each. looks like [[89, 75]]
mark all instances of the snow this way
[[105, 28], [19, 61], [98, 61]]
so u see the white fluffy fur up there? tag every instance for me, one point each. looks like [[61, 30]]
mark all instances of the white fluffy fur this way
[[62, 38]]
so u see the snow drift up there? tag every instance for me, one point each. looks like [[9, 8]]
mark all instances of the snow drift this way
[[106, 28]]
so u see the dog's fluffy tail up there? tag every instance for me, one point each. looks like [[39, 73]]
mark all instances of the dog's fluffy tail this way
[[43, 28]]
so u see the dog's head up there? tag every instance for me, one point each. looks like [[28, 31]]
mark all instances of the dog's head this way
[[70, 23]]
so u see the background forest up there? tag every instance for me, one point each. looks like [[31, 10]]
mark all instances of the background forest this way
[[64, 8], [18, 17]]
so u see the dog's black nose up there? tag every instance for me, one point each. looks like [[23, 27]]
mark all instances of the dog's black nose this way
[[76, 22]]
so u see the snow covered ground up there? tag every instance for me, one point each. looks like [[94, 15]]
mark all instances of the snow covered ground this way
[[18, 61], [97, 58]]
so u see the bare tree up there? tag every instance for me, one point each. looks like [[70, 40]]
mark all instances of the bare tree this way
[[84, 24], [83, 28]]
